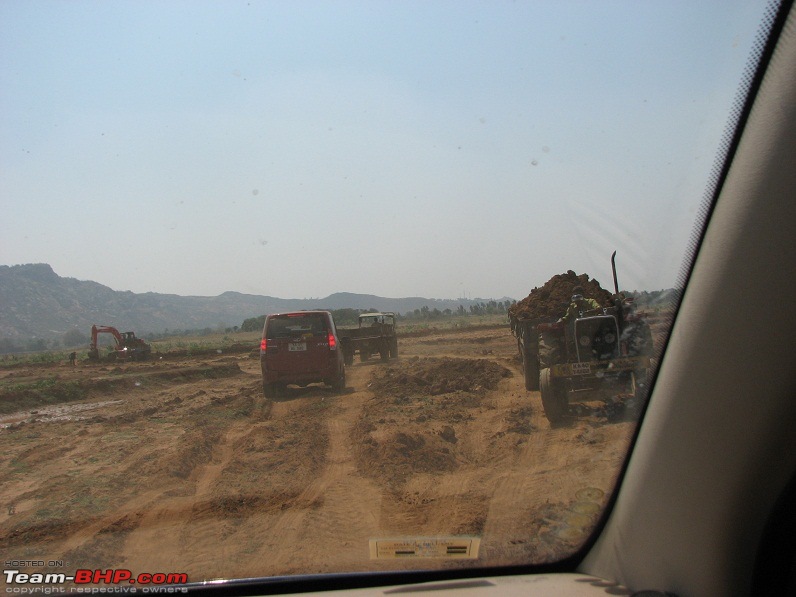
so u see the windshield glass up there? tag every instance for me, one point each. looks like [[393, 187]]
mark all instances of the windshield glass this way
[[284, 326], [183, 169]]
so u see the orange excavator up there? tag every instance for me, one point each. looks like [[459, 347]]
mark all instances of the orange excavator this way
[[127, 345]]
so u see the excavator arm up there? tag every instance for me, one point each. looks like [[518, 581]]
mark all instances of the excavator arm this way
[[127, 345], [96, 330]]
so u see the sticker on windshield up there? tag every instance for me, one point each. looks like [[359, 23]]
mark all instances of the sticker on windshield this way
[[425, 547]]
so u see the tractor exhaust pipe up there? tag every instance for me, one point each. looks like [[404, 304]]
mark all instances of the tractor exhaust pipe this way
[[613, 267]]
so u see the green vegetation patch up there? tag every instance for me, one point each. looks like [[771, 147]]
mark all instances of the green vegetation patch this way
[[47, 391], [42, 392]]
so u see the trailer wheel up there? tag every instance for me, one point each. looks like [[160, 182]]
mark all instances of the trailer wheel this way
[[348, 357], [394, 348], [364, 354], [384, 351], [530, 369], [554, 399]]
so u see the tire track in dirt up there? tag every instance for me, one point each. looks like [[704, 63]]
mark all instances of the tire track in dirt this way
[[222, 456], [511, 487], [557, 464], [149, 524], [172, 534], [336, 514], [171, 529], [129, 511]]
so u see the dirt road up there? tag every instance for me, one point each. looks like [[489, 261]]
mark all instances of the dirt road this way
[[182, 466]]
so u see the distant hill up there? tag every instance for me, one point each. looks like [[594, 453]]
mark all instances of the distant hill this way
[[35, 302]]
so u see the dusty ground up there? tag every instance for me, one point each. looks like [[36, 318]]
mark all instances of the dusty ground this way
[[181, 465]]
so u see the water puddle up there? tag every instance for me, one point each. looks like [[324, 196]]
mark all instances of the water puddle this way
[[52, 414]]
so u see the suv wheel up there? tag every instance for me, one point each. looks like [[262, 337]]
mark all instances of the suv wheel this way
[[339, 384], [272, 391]]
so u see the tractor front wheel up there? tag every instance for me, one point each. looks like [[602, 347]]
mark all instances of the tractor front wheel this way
[[554, 398]]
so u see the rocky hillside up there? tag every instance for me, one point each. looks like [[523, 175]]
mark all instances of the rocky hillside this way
[[35, 302]]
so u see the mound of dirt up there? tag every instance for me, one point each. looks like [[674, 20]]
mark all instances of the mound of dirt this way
[[418, 415], [398, 455], [551, 300], [433, 377]]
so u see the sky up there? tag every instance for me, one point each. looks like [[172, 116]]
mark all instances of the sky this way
[[442, 149]]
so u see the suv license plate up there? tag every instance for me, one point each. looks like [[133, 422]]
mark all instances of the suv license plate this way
[[297, 346]]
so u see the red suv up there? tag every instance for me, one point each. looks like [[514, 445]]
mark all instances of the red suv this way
[[300, 348]]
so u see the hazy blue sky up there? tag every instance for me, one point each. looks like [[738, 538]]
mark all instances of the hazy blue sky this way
[[424, 148]]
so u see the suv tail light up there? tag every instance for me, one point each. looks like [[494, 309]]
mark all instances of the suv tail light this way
[[332, 342], [263, 345]]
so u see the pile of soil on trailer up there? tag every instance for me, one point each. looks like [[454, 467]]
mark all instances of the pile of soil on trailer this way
[[551, 300]]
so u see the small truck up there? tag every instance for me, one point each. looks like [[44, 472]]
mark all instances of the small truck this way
[[375, 334]]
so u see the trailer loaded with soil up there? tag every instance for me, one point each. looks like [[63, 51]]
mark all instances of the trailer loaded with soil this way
[[574, 349], [375, 334]]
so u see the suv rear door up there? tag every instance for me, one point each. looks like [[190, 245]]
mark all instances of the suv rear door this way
[[298, 341]]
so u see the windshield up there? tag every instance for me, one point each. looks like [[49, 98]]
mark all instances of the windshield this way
[[371, 319], [183, 169], [285, 326]]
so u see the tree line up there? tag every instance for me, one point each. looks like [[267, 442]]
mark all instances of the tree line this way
[[347, 317], [76, 338]]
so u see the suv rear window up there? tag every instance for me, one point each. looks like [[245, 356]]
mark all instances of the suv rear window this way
[[286, 326]]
